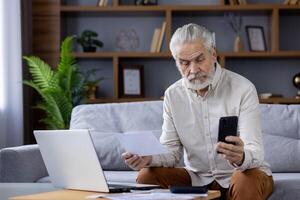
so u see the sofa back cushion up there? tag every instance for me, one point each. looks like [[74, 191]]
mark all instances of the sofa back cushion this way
[[281, 136], [107, 120], [118, 117]]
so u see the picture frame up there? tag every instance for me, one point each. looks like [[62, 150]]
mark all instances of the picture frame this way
[[256, 38], [132, 80]]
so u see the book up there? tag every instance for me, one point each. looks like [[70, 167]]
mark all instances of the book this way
[[161, 36], [244, 2], [100, 3], [154, 42], [236, 2], [286, 2], [269, 95], [240, 2], [293, 2], [105, 3], [231, 2]]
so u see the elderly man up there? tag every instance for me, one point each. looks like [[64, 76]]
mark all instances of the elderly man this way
[[191, 112]]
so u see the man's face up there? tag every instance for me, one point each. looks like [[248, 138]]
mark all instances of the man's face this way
[[196, 64]]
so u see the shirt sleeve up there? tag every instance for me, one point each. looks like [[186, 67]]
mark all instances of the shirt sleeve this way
[[169, 138], [250, 130]]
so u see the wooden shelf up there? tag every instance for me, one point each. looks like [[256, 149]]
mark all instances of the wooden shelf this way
[[288, 54], [279, 54], [123, 55], [280, 101], [119, 100], [265, 101], [112, 9], [162, 8]]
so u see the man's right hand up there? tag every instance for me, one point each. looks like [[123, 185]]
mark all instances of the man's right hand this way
[[136, 162]]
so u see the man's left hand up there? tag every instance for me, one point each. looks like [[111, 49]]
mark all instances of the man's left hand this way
[[234, 153]]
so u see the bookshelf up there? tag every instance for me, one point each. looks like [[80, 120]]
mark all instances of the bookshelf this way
[[170, 14], [264, 101]]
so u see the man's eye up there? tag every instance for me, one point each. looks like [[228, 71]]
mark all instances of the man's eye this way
[[184, 63], [198, 60]]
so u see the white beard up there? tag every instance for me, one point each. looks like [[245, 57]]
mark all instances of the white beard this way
[[195, 81]]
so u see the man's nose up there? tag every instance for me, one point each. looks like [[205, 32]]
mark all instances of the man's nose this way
[[194, 67]]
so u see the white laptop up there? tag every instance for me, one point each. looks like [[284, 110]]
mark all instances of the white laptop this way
[[72, 162]]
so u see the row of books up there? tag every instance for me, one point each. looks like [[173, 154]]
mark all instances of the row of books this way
[[157, 39], [237, 2], [102, 3], [291, 2]]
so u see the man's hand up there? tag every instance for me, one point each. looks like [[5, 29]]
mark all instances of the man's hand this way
[[234, 153], [136, 162]]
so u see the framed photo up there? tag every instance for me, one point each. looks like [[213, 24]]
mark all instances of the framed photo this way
[[256, 38], [132, 80]]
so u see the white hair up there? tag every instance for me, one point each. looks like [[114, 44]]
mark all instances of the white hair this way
[[190, 33]]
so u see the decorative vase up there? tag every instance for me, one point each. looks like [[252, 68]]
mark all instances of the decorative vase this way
[[296, 82], [238, 44]]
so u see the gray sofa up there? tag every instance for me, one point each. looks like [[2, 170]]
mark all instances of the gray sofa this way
[[281, 133]]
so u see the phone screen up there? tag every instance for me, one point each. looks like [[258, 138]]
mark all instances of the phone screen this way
[[227, 127]]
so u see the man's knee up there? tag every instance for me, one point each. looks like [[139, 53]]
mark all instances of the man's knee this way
[[247, 185]]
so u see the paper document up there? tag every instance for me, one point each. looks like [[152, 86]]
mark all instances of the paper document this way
[[142, 144], [156, 194]]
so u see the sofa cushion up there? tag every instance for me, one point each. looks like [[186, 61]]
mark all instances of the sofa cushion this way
[[118, 117], [286, 186], [281, 136]]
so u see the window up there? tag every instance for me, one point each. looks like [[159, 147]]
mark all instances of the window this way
[[2, 28]]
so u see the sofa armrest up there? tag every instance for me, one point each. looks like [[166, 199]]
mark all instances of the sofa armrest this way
[[21, 164]]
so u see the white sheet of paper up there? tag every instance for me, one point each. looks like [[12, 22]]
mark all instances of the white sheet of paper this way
[[162, 194], [142, 144]]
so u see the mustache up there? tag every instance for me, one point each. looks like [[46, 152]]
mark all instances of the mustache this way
[[198, 75]]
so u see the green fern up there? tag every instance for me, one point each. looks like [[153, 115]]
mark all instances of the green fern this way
[[42, 73], [60, 90]]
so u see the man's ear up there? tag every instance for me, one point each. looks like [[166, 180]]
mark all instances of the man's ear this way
[[214, 54]]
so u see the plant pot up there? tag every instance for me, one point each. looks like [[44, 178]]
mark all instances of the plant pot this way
[[91, 92], [89, 49]]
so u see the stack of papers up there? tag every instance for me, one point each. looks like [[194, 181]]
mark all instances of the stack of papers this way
[[157, 194]]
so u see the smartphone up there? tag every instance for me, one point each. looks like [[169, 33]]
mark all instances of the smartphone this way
[[188, 189], [227, 127]]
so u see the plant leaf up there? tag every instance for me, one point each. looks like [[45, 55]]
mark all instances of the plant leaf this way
[[42, 74]]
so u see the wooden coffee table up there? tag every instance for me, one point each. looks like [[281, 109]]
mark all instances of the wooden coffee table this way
[[81, 195]]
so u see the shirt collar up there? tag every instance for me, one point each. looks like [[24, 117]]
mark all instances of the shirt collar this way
[[217, 76]]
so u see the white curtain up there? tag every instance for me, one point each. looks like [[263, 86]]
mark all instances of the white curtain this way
[[11, 92]]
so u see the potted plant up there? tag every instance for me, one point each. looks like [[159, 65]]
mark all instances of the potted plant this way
[[87, 41], [91, 84], [60, 89]]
